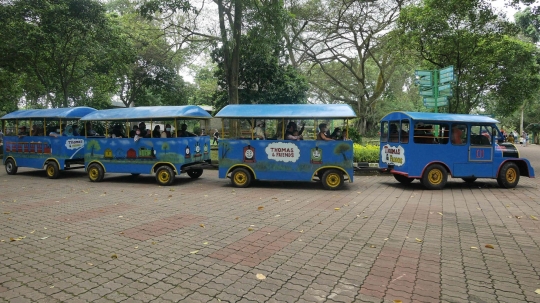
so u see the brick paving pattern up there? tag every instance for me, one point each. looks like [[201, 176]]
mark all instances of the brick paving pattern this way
[[127, 239]]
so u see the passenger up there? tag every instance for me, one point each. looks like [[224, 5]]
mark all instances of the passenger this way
[[156, 133], [143, 131], [133, 131], [322, 135], [183, 131], [68, 131], [258, 131], [76, 130], [117, 131], [336, 134], [22, 131], [291, 127], [88, 131], [457, 134], [36, 131], [54, 131], [137, 135], [167, 132], [345, 136]]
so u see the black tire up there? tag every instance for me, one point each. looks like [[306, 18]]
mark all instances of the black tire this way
[[135, 175], [435, 177], [402, 179], [469, 180], [508, 175], [11, 168], [95, 172], [195, 173], [241, 177], [165, 175], [52, 169], [332, 179]]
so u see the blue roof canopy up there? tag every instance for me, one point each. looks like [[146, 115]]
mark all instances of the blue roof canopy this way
[[269, 111], [440, 117], [49, 113], [148, 112]]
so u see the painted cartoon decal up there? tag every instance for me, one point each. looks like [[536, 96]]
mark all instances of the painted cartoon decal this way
[[316, 155], [75, 143], [285, 152], [249, 154], [391, 154]]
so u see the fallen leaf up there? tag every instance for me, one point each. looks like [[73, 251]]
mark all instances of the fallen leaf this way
[[7, 212], [121, 232], [537, 291], [260, 208], [236, 218], [518, 217], [474, 247], [171, 189], [44, 238], [206, 195], [386, 239], [534, 218], [489, 246], [33, 231], [44, 227], [201, 225], [193, 252], [287, 200], [90, 264], [397, 301], [261, 276], [67, 238], [205, 243], [114, 256], [337, 208], [153, 243], [170, 196], [250, 229], [440, 213], [52, 286], [373, 246], [136, 247], [120, 216], [302, 231], [418, 240], [277, 216]]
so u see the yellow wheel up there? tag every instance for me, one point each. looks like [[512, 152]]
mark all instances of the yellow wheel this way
[[435, 177], [332, 179], [241, 177], [52, 170], [508, 175], [95, 172], [164, 175]]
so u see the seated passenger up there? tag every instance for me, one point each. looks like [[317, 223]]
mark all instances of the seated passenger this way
[[68, 131], [322, 135], [22, 131], [117, 131], [36, 131], [76, 130], [456, 135], [167, 132], [143, 131], [291, 128], [336, 134], [54, 131], [88, 131], [183, 131], [258, 131], [156, 133], [133, 131]]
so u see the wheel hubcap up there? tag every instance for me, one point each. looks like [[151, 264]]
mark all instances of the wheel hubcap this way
[[50, 170], [93, 173], [164, 176], [511, 175], [240, 178], [435, 176], [332, 180]]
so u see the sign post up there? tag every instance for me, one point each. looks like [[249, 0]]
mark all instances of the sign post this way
[[435, 86]]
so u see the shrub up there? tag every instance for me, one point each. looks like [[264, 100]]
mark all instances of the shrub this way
[[366, 153]]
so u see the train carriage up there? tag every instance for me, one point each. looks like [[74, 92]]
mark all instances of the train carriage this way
[[432, 146], [259, 143], [165, 157], [28, 142]]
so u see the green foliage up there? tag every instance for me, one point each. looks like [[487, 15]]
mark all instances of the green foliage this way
[[366, 153], [61, 47], [263, 76], [470, 36], [529, 22]]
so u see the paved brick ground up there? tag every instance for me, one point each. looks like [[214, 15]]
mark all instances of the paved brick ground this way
[[128, 240]]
